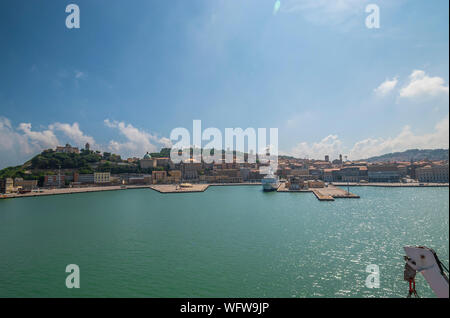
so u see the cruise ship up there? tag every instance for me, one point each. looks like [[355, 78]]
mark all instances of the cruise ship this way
[[270, 182]]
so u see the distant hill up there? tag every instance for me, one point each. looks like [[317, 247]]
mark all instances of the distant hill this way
[[412, 154]]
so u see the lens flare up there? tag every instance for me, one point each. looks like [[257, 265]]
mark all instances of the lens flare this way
[[276, 7]]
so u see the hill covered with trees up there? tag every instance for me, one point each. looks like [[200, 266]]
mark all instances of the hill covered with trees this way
[[412, 155], [49, 162]]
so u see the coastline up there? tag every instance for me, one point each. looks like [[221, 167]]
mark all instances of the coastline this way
[[170, 188], [388, 185], [163, 188]]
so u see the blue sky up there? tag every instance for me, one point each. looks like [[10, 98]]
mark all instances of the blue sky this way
[[135, 70]]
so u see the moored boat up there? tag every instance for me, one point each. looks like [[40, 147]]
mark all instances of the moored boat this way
[[270, 182]]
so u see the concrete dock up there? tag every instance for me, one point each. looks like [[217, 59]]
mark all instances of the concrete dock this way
[[322, 197], [323, 194], [332, 192], [174, 188]]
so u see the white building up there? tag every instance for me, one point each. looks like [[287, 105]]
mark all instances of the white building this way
[[102, 177]]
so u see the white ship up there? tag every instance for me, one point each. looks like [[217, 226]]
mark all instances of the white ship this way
[[270, 182]]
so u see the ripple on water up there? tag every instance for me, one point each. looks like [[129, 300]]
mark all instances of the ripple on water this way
[[225, 242]]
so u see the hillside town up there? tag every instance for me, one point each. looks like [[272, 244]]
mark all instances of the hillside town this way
[[297, 174]]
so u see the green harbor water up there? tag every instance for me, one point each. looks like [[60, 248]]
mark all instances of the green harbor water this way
[[234, 241]]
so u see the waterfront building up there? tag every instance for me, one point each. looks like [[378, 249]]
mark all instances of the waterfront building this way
[[255, 175], [363, 174], [54, 181], [137, 180], [7, 185], [228, 175], [190, 170], [316, 173], [25, 185], [403, 170], [207, 179], [353, 173], [102, 177], [383, 173], [245, 173], [115, 179], [148, 179], [159, 177], [83, 178], [433, 173], [297, 183], [283, 171], [174, 176], [331, 175], [412, 168]]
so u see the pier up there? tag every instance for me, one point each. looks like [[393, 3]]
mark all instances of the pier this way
[[323, 194], [332, 192], [61, 191], [175, 188]]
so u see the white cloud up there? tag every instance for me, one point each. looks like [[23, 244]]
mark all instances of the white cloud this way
[[17, 146], [45, 139], [386, 87], [406, 139], [11, 139], [165, 142], [422, 85], [330, 145], [74, 133], [137, 141]]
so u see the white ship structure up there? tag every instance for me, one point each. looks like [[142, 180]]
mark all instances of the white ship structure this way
[[421, 259], [270, 182]]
